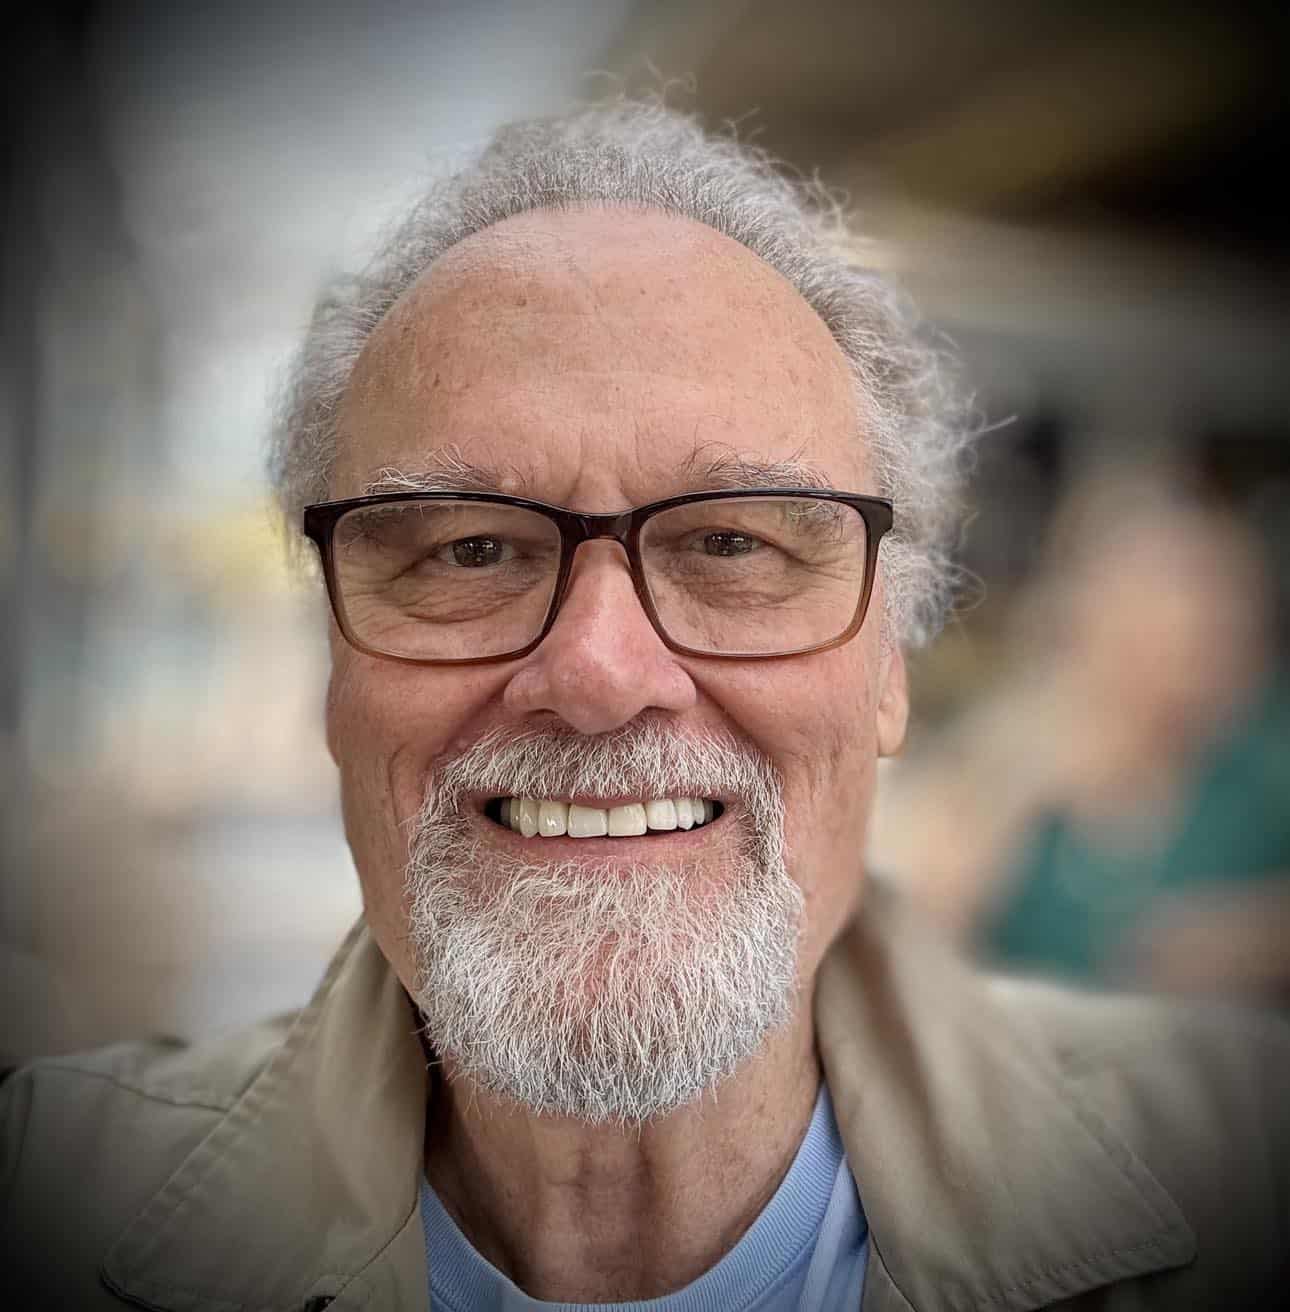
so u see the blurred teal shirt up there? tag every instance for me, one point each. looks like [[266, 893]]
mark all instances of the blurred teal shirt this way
[[806, 1252], [1075, 905]]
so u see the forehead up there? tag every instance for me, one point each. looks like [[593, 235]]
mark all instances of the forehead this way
[[599, 358]]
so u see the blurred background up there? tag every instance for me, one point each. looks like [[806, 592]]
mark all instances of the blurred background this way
[[1082, 196]]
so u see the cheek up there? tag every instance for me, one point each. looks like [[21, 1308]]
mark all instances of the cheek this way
[[386, 725], [829, 821], [828, 808], [815, 719]]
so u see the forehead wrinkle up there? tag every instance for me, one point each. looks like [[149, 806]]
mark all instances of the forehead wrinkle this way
[[435, 364]]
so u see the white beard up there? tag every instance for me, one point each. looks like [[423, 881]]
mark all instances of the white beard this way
[[598, 990]]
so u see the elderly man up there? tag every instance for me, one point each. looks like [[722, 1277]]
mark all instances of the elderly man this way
[[600, 461]]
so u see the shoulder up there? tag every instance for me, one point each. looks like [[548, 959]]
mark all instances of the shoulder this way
[[211, 1073], [1138, 1040], [86, 1139], [1198, 1091]]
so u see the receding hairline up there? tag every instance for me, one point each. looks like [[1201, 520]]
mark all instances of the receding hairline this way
[[539, 234], [545, 224]]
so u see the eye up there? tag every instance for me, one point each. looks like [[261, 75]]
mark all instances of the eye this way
[[474, 553], [730, 544]]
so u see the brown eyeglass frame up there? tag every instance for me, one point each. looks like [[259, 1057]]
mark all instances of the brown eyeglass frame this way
[[320, 522]]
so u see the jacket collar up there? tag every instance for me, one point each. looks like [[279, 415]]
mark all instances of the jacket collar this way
[[985, 1183], [307, 1189]]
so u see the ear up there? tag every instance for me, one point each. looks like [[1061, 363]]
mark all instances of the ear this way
[[893, 702]]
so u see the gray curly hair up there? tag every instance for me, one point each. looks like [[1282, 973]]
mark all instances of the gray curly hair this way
[[647, 154]]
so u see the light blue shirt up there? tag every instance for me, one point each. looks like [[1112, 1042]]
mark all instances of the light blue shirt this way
[[806, 1252]]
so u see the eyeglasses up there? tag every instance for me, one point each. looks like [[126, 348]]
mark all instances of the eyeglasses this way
[[457, 578]]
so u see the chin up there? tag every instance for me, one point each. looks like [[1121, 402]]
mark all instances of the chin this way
[[603, 994]]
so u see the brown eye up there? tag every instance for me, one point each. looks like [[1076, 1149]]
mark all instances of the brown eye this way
[[472, 553], [729, 544]]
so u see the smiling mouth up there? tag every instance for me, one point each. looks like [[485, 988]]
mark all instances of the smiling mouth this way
[[546, 818]]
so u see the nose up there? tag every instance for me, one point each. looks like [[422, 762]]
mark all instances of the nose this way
[[602, 663]]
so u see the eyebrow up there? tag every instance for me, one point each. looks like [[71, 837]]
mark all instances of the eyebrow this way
[[447, 471], [735, 471], [730, 470]]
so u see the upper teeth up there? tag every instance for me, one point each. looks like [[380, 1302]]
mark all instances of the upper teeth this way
[[530, 816]]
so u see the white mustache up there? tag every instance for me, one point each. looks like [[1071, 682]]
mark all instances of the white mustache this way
[[642, 759]]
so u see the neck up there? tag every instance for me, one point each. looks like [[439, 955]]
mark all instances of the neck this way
[[602, 1213]]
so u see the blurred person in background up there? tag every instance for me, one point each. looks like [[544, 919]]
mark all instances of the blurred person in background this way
[[1158, 852], [1122, 815], [599, 456]]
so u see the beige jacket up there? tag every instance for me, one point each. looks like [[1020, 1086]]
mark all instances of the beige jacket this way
[[1015, 1147]]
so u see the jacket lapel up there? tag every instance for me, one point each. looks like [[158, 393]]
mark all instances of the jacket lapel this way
[[308, 1188], [985, 1182]]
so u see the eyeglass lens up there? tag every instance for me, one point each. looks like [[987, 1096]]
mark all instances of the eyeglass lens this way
[[460, 580]]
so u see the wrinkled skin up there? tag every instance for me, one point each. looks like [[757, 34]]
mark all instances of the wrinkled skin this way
[[598, 360]]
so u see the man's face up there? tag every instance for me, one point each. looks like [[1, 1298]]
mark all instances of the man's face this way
[[599, 360]]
